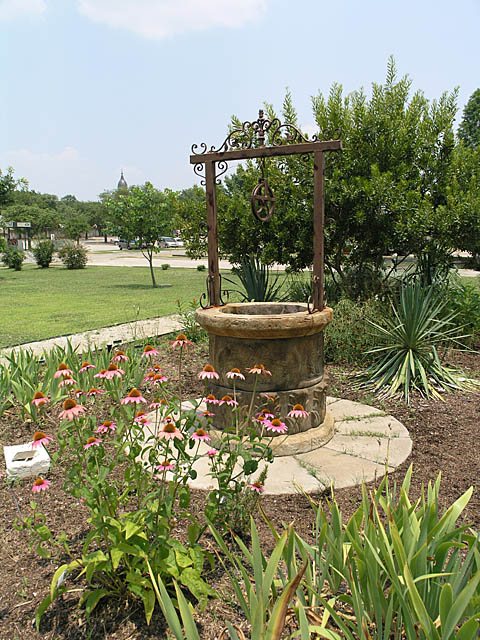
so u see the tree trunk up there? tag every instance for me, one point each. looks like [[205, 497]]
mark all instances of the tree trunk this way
[[150, 264]]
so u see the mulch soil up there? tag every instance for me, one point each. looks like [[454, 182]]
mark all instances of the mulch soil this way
[[445, 439]]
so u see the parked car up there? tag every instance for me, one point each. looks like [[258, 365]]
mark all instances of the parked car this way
[[131, 244], [167, 242]]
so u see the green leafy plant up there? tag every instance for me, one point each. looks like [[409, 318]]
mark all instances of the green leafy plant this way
[[396, 569], [190, 326], [73, 256], [393, 570], [464, 301], [257, 280], [260, 587], [13, 258], [350, 334], [165, 266], [407, 355], [43, 253]]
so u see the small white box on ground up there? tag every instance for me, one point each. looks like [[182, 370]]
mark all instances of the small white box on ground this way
[[25, 461]]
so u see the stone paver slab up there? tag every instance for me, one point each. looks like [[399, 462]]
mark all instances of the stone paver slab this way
[[391, 451], [345, 409], [340, 469], [379, 426]]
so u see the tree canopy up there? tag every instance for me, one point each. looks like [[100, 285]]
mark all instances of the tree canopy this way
[[141, 214], [469, 129], [387, 191]]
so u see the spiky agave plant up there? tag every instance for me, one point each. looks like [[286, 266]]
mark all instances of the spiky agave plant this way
[[257, 280], [407, 357]]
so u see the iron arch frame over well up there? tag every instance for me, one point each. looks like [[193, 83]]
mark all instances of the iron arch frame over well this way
[[248, 142]]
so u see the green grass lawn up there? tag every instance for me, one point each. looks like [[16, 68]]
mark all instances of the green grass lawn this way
[[42, 303]]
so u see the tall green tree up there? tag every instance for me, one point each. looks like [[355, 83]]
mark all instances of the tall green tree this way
[[141, 214], [469, 129], [383, 192]]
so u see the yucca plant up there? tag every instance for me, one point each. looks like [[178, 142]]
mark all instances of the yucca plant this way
[[258, 282], [407, 357]]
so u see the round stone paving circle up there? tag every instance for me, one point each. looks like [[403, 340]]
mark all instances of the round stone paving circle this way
[[367, 443]]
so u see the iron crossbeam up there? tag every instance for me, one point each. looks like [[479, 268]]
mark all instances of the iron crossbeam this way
[[266, 152]]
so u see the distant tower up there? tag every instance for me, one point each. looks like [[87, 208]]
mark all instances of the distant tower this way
[[122, 183]]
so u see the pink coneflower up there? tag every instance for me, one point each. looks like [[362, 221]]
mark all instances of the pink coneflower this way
[[149, 351], [166, 465], [211, 453], [71, 410], [228, 400], [235, 374], [40, 438], [256, 486], [120, 356], [276, 425], [141, 418], [67, 381], [208, 414], [208, 373], [298, 411], [156, 368], [62, 371], [133, 397], [200, 435], [92, 442], [260, 370], [106, 426], [181, 341], [155, 377], [78, 393], [101, 374], [94, 392], [169, 431], [86, 366], [158, 404], [113, 372], [211, 399], [263, 415], [40, 399], [40, 484]]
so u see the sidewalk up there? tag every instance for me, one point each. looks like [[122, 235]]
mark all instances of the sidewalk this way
[[99, 337]]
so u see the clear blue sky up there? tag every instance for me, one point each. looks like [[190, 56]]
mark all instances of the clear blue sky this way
[[92, 86]]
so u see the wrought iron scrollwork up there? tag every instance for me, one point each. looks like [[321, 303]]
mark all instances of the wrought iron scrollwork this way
[[199, 170], [254, 134], [222, 167], [204, 300]]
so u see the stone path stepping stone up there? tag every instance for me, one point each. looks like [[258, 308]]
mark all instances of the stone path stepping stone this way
[[366, 444]]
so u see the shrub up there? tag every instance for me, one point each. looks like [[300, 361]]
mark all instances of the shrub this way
[[73, 256], [165, 266], [43, 253], [406, 355], [13, 258], [201, 267], [349, 336], [3, 244], [464, 301]]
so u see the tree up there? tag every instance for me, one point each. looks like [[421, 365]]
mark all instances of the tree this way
[[141, 214], [469, 129], [8, 185], [383, 192]]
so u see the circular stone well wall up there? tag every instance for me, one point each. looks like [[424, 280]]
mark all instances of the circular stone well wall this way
[[287, 340]]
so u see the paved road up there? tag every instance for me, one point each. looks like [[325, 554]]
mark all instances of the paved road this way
[[104, 254]]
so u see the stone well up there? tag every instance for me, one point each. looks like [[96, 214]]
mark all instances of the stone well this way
[[288, 341]]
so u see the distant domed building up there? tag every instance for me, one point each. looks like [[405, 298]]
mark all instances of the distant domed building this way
[[122, 183]]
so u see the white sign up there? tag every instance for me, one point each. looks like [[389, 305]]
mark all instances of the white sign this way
[[24, 225]]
